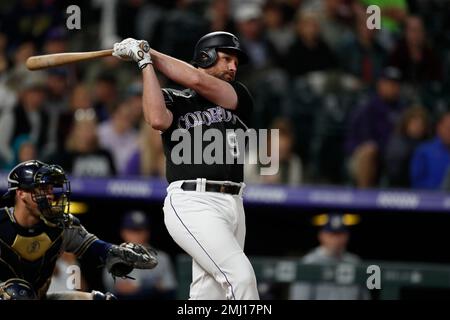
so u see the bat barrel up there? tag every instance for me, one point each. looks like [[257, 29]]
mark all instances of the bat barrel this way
[[58, 59]]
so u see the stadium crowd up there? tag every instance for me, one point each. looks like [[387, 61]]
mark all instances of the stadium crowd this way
[[355, 106]]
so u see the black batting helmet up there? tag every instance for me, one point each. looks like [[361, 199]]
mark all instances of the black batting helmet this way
[[205, 53], [37, 177]]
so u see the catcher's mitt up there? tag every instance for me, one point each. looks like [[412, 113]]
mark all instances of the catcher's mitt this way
[[121, 260]]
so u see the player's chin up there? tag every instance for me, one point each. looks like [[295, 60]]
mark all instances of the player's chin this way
[[227, 77]]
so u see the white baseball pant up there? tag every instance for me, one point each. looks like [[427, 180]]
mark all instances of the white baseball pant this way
[[210, 227]]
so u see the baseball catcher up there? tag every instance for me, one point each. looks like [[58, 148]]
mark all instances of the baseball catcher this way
[[36, 227]]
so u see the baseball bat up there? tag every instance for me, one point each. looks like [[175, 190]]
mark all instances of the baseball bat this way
[[58, 59]]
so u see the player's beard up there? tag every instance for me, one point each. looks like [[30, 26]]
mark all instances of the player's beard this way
[[226, 76]]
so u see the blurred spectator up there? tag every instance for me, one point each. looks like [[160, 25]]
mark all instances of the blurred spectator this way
[[30, 19], [279, 32], [332, 250], [18, 73], [158, 283], [26, 151], [412, 129], [4, 61], [127, 10], [362, 55], [100, 18], [118, 136], [290, 8], [57, 91], [80, 98], [23, 51], [28, 117], [261, 75], [82, 156], [335, 18], [8, 97], [290, 166], [148, 19], [23, 149], [133, 98], [218, 14], [370, 128], [148, 158], [431, 160], [56, 40], [108, 74], [415, 58], [308, 46], [249, 23], [180, 29], [105, 95]]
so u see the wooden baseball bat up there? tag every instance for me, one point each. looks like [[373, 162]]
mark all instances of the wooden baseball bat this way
[[58, 59]]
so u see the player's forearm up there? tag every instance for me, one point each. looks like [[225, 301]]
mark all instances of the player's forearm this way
[[98, 249], [211, 88], [175, 69], [155, 111]]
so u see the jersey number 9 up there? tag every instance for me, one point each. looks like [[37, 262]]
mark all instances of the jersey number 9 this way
[[233, 144]]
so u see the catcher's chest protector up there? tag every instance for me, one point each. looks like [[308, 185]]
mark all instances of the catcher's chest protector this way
[[29, 254]]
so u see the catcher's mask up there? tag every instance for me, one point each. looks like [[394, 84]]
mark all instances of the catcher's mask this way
[[48, 185], [205, 53]]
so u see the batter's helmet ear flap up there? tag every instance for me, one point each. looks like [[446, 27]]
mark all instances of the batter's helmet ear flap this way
[[205, 52], [206, 58]]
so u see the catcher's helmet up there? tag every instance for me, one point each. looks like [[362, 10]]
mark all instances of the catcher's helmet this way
[[48, 185], [205, 53]]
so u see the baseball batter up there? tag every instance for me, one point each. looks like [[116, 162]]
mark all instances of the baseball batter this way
[[36, 228], [203, 208]]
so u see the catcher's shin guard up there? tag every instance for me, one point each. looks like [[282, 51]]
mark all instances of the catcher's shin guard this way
[[17, 289], [97, 295]]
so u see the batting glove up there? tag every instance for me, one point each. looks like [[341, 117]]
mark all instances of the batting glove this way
[[132, 49]]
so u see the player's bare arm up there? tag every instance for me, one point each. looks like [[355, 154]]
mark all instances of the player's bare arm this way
[[155, 112], [210, 87], [210, 82]]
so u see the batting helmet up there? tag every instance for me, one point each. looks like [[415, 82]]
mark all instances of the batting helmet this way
[[38, 178], [205, 53]]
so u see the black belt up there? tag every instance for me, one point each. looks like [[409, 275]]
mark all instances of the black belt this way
[[213, 187]]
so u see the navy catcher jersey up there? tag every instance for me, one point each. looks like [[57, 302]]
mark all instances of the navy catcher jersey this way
[[31, 253], [193, 112]]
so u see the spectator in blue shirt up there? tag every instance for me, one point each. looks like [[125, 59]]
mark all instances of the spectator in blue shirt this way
[[431, 159]]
